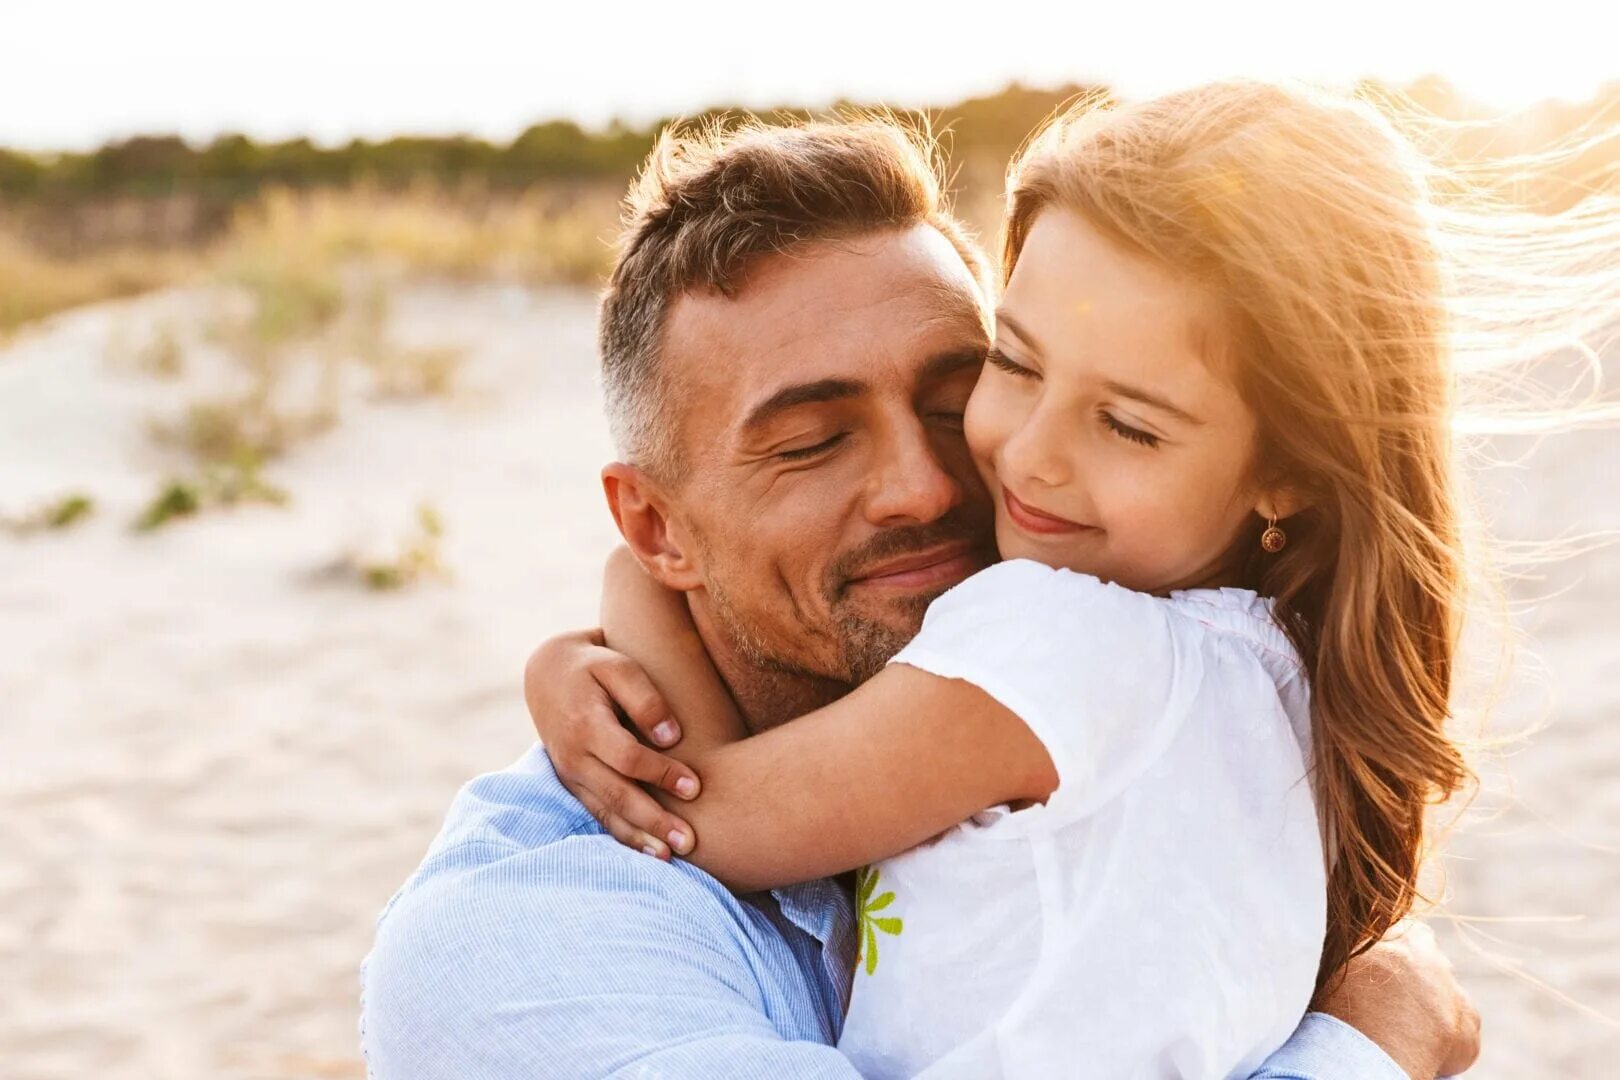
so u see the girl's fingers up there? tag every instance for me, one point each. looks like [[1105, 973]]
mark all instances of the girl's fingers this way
[[633, 692], [624, 755], [557, 675], [624, 798], [622, 831]]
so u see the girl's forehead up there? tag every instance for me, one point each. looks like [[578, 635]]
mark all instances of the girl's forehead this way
[[1076, 275], [1077, 297]]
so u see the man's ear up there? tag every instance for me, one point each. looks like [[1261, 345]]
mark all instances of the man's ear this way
[[641, 510]]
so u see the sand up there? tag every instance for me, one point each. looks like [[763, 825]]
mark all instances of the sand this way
[[221, 757]]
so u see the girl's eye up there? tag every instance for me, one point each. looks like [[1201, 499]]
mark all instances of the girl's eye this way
[[997, 358], [805, 452], [950, 419], [1125, 431]]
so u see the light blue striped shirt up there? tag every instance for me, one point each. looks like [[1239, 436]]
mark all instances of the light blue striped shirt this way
[[530, 944]]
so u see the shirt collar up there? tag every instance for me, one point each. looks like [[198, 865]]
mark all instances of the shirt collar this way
[[822, 908], [825, 909]]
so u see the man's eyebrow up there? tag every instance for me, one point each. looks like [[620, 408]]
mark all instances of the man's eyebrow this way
[[1004, 319], [1148, 397], [949, 363], [809, 393]]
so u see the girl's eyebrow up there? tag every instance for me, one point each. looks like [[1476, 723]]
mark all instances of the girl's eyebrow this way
[[1148, 397], [1125, 390]]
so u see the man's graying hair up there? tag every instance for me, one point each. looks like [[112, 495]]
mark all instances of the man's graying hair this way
[[710, 201]]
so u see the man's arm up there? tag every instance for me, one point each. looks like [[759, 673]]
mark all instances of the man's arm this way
[[579, 959], [1398, 1012], [1324, 1047]]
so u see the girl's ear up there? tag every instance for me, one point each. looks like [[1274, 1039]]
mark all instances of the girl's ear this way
[[653, 536], [1280, 502]]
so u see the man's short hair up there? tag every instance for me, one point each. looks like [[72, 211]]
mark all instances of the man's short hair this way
[[711, 201]]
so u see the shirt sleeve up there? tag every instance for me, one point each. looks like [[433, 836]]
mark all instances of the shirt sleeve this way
[[506, 973], [1326, 1048], [1103, 676]]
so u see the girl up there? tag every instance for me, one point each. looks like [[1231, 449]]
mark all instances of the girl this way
[[1203, 701]]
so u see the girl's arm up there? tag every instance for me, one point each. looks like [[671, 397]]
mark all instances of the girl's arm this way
[[1103, 678], [586, 697], [584, 700], [898, 760], [902, 758], [653, 625]]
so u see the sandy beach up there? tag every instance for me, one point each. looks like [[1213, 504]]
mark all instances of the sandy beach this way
[[222, 755]]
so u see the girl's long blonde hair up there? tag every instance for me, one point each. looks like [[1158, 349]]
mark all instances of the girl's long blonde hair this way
[[1359, 281]]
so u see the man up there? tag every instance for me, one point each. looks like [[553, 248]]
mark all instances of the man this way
[[789, 336]]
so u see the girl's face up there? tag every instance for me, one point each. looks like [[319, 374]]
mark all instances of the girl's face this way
[[1110, 445]]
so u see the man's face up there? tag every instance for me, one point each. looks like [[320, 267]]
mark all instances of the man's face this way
[[828, 494]]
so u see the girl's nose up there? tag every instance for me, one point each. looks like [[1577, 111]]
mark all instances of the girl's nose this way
[[1040, 451]]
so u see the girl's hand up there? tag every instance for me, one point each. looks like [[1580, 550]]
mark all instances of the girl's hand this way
[[572, 684]]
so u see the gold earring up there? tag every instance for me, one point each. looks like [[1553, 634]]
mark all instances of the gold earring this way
[[1273, 539]]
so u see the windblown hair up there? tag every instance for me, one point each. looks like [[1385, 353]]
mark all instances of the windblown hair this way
[[710, 201], [1357, 281]]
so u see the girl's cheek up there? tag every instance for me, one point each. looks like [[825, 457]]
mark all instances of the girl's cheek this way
[[984, 424]]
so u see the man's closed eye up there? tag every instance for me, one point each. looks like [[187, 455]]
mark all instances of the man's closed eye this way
[[806, 452]]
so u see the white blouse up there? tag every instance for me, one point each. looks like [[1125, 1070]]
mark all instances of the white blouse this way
[[1163, 913]]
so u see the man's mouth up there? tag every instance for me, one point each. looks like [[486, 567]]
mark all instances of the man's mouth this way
[[1031, 520], [940, 565]]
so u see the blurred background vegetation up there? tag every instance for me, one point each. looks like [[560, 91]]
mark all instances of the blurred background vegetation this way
[[154, 210]]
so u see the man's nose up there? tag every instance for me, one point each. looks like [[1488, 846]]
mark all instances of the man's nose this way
[[911, 486]]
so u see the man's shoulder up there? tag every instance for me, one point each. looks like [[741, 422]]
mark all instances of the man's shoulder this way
[[521, 806], [523, 898], [515, 840]]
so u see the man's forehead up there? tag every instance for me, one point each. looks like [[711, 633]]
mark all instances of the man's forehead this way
[[873, 300]]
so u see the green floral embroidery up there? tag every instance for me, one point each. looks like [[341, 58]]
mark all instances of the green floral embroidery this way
[[868, 904]]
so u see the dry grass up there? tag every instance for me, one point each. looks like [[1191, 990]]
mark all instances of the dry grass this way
[[412, 559], [538, 237], [305, 300], [397, 371], [33, 286], [417, 559]]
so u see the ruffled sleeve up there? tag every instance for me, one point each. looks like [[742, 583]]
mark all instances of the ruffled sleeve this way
[[1103, 676]]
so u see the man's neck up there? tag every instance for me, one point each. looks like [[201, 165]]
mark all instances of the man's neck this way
[[767, 695]]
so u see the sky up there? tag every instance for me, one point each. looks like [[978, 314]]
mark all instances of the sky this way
[[74, 74]]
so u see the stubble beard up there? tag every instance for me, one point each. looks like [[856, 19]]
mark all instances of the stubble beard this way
[[863, 642]]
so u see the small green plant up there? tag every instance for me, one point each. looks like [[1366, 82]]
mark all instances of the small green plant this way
[[176, 499], [217, 485], [56, 515], [69, 511], [418, 560]]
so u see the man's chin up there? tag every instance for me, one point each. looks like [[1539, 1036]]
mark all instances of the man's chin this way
[[871, 632]]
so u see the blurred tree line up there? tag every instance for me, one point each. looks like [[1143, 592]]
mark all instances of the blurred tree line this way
[[981, 134], [234, 166]]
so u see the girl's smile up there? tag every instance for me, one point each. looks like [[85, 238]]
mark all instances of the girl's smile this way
[[1031, 520]]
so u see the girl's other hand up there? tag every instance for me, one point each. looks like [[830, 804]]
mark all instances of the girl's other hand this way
[[573, 684]]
